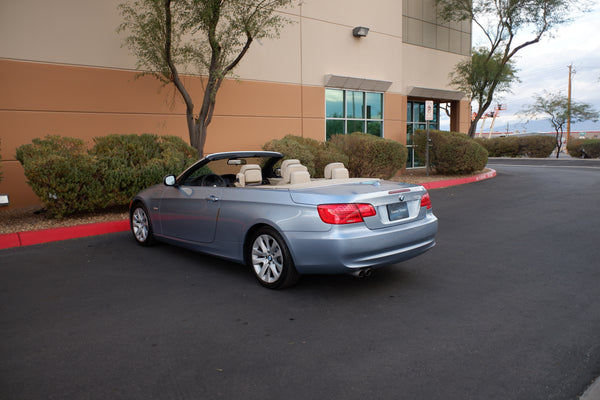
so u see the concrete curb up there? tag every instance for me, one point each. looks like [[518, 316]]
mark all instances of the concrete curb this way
[[28, 238]]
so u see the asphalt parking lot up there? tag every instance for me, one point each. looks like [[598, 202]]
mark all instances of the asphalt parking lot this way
[[506, 306]]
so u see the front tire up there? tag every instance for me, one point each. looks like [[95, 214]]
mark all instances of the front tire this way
[[141, 226], [270, 260]]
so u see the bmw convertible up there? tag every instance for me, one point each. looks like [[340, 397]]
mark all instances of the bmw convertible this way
[[259, 209]]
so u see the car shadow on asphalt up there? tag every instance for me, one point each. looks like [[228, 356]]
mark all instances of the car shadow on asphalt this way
[[392, 277]]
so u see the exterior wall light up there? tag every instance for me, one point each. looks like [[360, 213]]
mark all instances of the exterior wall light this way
[[3, 200], [360, 31]]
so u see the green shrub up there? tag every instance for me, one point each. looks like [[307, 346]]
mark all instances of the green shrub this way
[[313, 154], [62, 174], [591, 148], [537, 146], [584, 148], [364, 155], [522, 146], [452, 152], [50, 145], [132, 162], [291, 147], [501, 147], [574, 148], [371, 156], [68, 178]]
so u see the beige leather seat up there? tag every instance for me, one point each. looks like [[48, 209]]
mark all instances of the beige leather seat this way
[[336, 170], [294, 172], [285, 165], [299, 175], [250, 174]]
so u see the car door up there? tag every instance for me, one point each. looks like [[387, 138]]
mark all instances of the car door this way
[[190, 212]]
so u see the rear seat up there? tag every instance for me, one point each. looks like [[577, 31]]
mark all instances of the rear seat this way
[[299, 175], [293, 172], [336, 170]]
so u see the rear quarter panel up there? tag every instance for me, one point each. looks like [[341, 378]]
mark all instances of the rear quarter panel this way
[[244, 208]]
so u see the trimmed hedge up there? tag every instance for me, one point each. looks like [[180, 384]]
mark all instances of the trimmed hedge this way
[[365, 155], [522, 146], [69, 178], [452, 152], [584, 148], [501, 147], [371, 156], [133, 162], [313, 154], [537, 146]]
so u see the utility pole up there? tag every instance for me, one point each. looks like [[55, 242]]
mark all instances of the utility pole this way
[[569, 108]]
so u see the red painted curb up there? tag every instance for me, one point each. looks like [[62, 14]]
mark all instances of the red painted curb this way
[[8, 240], [459, 181], [52, 235]]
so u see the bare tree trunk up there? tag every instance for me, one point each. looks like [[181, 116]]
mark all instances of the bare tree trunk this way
[[193, 130], [189, 104], [198, 127], [473, 127], [559, 136]]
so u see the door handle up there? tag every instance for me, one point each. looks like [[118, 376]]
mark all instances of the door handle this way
[[213, 199]]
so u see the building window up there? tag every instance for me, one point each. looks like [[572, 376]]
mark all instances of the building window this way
[[415, 120], [421, 26], [348, 111]]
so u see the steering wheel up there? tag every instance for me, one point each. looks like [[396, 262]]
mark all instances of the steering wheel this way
[[213, 180]]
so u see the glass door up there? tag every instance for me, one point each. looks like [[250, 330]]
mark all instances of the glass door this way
[[415, 116]]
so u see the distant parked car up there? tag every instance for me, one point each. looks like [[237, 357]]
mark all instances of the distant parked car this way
[[252, 208]]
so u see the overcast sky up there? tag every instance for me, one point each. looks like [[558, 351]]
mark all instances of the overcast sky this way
[[544, 66]]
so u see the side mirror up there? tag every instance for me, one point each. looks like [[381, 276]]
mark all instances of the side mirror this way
[[169, 180]]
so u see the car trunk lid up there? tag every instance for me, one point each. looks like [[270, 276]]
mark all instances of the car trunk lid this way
[[395, 203]]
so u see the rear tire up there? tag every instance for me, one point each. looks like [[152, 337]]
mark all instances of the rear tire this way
[[141, 226], [270, 260]]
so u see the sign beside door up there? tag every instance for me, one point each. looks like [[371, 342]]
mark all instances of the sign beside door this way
[[429, 110]]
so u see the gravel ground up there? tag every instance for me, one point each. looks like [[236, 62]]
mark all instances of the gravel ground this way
[[35, 218]]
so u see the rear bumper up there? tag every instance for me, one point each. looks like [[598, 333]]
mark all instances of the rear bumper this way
[[346, 248]]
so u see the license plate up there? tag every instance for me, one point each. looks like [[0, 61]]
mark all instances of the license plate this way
[[397, 211]]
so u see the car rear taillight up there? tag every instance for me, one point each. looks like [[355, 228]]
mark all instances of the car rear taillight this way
[[426, 201], [338, 214]]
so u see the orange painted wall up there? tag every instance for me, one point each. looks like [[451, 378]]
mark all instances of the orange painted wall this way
[[395, 117], [39, 99], [462, 120]]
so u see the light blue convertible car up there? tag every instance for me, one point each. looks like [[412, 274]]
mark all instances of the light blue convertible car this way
[[254, 208]]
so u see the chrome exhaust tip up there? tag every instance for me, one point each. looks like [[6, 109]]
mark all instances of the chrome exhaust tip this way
[[362, 273]]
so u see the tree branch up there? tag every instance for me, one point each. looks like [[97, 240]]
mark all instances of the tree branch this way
[[169, 59]]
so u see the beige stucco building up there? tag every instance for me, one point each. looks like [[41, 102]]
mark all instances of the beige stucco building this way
[[63, 71]]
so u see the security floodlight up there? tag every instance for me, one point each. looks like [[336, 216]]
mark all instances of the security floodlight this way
[[3, 200], [360, 31]]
